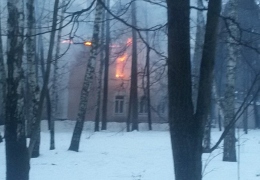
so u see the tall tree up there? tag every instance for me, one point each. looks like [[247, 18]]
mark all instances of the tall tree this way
[[17, 161], [88, 78], [133, 103], [229, 105], [148, 84], [257, 112], [32, 75], [100, 73], [200, 32], [44, 90], [2, 78], [106, 70], [186, 127], [54, 100]]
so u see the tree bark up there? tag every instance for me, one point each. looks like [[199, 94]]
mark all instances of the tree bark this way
[[229, 105], [245, 122], [17, 160], [2, 79], [186, 129], [100, 74], [256, 113], [52, 102], [106, 70], [148, 98], [74, 145], [32, 75], [133, 88], [200, 32], [44, 89], [179, 90]]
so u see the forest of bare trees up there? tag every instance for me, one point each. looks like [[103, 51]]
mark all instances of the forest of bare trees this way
[[201, 56]]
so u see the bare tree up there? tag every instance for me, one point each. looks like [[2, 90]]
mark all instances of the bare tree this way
[[200, 32], [2, 78], [186, 127], [17, 161], [33, 87], [229, 104], [54, 100], [106, 70], [44, 89], [100, 73], [133, 103], [88, 78]]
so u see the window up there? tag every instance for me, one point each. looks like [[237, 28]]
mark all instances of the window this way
[[119, 105], [143, 105]]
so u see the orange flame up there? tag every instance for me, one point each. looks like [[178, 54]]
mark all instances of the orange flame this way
[[87, 43], [122, 58], [120, 65]]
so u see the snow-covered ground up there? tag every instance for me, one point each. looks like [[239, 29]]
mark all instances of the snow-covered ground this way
[[143, 155]]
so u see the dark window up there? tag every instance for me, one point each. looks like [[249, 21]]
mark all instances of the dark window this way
[[119, 104], [143, 105]]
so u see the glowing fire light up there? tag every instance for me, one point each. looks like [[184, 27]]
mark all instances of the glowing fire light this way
[[119, 75], [122, 58], [121, 61], [120, 65], [87, 43]]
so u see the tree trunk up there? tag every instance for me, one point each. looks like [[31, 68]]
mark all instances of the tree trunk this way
[[229, 107], [207, 135], [219, 121], [100, 74], [52, 102], [32, 75], [17, 160], [128, 120], [74, 145], [200, 32], [187, 129], [2, 79], [148, 98], [147, 64], [257, 114], [245, 121], [50, 120], [133, 88], [106, 70], [46, 75], [179, 87]]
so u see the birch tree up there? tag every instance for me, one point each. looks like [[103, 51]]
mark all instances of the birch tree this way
[[88, 78], [100, 74], [32, 75], [17, 160], [229, 104], [44, 89]]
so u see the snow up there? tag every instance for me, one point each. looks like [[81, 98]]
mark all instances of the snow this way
[[143, 155]]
